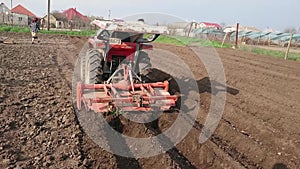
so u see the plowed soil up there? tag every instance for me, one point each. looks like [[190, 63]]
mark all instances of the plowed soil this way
[[39, 128]]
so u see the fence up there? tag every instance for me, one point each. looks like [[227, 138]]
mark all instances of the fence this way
[[245, 37], [267, 38]]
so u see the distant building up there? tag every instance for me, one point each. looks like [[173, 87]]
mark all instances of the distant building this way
[[209, 25], [100, 18], [76, 19], [241, 28], [21, 15], [271, 30], [57, 20], [73, 14], [179, 28], [5, 14], [69, 18], [45, 21], [179, 25]]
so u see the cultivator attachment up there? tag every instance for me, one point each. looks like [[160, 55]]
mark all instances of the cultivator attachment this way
[[125, 97]]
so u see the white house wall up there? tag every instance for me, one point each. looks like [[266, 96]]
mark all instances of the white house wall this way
[[21, 20], [4, 14]]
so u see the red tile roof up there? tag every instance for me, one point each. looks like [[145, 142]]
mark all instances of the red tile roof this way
[[72, 13], [19, 9], [215, 25]]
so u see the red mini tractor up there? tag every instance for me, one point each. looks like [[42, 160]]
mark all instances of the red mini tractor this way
[[114, 71]]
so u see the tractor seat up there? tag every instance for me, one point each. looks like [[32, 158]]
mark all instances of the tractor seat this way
[[124, 36]]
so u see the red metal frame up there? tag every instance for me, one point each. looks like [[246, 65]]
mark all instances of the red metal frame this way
[[126, 49], [140, 97]]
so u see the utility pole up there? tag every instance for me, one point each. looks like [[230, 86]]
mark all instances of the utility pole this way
[[3, 14], [12, 15], [48, 16]]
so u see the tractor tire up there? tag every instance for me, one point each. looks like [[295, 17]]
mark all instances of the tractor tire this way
[[143, 64], [93, 67], [82, 68]]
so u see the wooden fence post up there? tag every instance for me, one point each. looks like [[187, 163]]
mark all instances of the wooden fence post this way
[[237, 35], [190, 29], [225, 36], [288, 48]]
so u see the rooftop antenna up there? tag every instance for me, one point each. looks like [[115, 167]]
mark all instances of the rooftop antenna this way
[[109, 13]]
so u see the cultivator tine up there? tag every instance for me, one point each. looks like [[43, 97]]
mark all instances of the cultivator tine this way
[[114, 92], [132, 97], [151, 89], [131, 81]]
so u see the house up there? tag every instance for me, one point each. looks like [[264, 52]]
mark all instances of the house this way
[[73, 14], [69, 18], [76, 19], [44, 22], [179, 25], [249, 28], [232, 28], [57, 20], [209, 25], [61, 20], [5, 14], [21, 15], [181, 28]]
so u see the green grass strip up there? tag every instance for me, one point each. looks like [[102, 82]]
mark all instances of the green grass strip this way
[[274, 53], [189, 41], [60, 32]]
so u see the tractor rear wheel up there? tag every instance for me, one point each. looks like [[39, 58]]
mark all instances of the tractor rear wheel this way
[[93, 67], [82, 67]]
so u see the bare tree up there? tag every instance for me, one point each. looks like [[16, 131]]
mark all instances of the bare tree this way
[[223, 24], [290, 30]]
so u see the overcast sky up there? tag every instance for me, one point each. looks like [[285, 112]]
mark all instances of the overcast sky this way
[[276, 14]]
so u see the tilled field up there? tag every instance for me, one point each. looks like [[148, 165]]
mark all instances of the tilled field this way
[[39, 128]]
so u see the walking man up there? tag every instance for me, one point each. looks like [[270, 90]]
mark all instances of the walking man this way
[[34, 28]]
